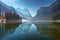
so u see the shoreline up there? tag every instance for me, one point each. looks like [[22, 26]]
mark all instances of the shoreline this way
[[2, 20], [9, 21]]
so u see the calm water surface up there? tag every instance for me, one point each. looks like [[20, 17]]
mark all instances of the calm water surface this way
[[30, 31]]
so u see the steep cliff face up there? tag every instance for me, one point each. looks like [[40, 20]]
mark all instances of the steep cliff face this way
[[43, 11], [48, 12], [55, 7]]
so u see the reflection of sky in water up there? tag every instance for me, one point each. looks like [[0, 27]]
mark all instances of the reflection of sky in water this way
[[25, 31]]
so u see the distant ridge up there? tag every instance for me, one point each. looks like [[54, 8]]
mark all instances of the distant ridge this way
[[48, 13]]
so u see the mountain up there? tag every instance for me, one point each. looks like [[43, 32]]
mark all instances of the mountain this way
[[8, 12], [24, 13], [27, 13], [48, 13], [12, 9], [43, 11], [5, 8], [55, 6]]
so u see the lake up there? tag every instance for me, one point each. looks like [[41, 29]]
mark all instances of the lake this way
[[30, 31]]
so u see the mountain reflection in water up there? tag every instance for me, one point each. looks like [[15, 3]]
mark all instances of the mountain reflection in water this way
[[30, 31]]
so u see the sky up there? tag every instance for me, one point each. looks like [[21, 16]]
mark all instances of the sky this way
[[32, 5]]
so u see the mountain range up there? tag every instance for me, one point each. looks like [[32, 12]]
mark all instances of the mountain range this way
[[24, 13], [50, 12]]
